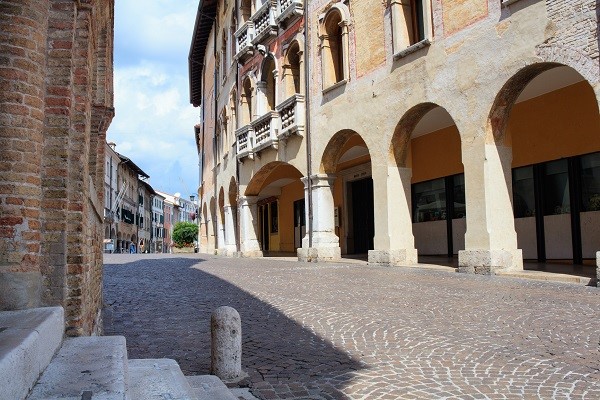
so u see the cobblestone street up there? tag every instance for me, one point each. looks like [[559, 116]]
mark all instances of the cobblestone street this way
[[335, 331]]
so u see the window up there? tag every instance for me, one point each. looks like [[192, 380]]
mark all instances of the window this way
[[436, 199], [411, 23], [246, 102], [334, 46], [267, 83], [590, 182], [556, 188], [291, 70], [429, 199], [523, 192]]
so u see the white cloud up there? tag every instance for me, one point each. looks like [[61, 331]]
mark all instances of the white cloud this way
[[154, 121]]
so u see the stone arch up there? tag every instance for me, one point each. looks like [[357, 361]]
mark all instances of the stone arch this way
[[403, 131], [510, 91], [260, 178], [332, 151]]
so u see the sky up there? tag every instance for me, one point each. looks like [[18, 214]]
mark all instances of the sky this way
[[154, 120]]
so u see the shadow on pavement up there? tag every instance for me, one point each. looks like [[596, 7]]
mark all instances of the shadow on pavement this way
[[163, 308]]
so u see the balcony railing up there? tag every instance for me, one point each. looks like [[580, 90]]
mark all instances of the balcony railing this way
[[245, 141], [265, 131], [244, 37], [264, 23], [288, 8], [292, 114]]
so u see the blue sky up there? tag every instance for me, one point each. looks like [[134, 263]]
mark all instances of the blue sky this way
[[154, 121]]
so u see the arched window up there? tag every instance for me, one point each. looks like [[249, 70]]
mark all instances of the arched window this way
[[267, 83], [246, 102], [233, 120], [334, 45], [292, 74], [411, 23], [245, 11], [232, 40]]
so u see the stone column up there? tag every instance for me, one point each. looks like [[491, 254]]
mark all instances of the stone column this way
[[325, 243], [261, 99], [220, 246], [490, 240], [394, 241], [230, 247], [22, 114], [249, 245]]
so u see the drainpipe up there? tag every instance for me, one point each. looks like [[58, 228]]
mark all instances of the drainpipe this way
[[307, 122]]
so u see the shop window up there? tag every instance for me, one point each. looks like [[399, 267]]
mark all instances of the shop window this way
[[590, 182], [429, 201], [523, 192], [436, 199], [459, 206], [556, 188]]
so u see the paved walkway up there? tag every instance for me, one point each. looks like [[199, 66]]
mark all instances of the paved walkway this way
[[327, 331]]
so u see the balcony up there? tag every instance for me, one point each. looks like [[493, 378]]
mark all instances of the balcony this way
[[244, 37], [287, 9], [265, 131], [264, 23], [292, 115], [245, 142]]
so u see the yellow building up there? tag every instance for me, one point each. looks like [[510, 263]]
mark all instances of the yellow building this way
[[464, 129]]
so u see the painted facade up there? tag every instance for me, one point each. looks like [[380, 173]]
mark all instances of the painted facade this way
[[464, 129]]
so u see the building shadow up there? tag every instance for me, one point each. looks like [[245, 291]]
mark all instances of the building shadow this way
[[163, 308]]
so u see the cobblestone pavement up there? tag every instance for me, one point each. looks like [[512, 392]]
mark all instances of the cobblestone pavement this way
[[327, 331]]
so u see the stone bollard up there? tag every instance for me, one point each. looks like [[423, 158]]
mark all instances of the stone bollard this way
[[226, 344]]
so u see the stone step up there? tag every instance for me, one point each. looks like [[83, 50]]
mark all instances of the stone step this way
[[209, 387], [85, 368], [28, 341], [158, 379]]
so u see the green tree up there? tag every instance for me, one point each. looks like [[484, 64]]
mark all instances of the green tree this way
[[184, 234]]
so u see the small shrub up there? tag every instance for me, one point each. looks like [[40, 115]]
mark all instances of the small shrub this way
[[184, 234]]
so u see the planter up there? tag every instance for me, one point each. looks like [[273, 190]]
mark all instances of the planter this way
[[183, 250]]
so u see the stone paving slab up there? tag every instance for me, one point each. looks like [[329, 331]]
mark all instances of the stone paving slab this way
[[334, 331]]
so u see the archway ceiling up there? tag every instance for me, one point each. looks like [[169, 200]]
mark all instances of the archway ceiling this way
[[436, 119], [274, 188], [548, 81], [353, 153]]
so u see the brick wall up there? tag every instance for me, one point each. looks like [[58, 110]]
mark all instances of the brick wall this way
[[51, 224], [575, 24]]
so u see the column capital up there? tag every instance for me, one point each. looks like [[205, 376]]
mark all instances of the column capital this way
[[247, 200], [319, 180]]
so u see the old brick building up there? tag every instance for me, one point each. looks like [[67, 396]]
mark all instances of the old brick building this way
[[56, 103]]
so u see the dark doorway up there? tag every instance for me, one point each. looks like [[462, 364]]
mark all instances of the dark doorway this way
[[263, 215], [362, 215], [299, 222]]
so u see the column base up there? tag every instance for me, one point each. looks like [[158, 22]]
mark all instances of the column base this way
[[598, 269], [393, 258], [227, 251], [316, 254], [487, 262], [249, 254]]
